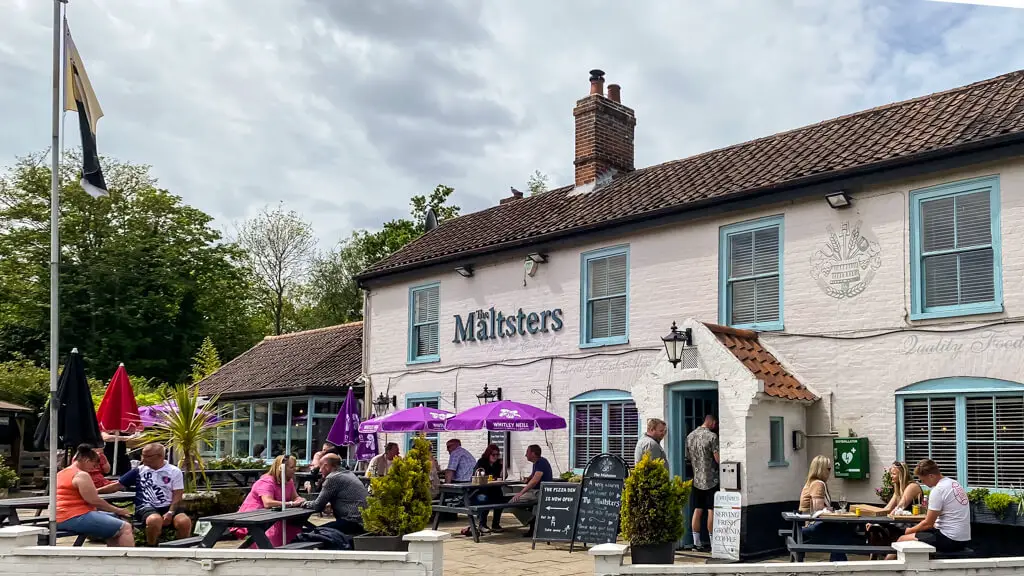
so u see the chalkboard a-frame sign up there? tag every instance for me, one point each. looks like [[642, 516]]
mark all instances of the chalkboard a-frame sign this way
[[588, 512]]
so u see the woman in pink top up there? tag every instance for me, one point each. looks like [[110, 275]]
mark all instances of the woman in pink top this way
[[266, 494]]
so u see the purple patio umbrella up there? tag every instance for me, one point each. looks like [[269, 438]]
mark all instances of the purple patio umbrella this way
[[505, 416], [344, 431], [418, 419]]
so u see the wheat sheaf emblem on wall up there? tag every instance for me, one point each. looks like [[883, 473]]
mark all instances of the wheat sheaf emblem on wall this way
[[846, 264]]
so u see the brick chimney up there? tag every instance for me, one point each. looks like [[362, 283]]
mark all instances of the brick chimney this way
[[604, 131]]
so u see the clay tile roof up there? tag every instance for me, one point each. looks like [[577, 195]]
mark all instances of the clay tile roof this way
[[762, 364], [321, 360], [981, 114]]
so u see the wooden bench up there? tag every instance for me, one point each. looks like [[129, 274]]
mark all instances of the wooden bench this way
[[797, 551], [300, 546], [190, 542], [965, 553]]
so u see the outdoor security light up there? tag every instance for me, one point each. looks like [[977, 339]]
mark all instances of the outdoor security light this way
[[537, 257], [465, 271], [488, 396], [382, 402], [675, 342], [839, 200]]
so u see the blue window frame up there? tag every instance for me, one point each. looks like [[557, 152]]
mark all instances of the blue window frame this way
[[973, 428], [424, 323], [777, 436], [956, 263], [430, 400], [604, 294], [602, 421], [750, 274]]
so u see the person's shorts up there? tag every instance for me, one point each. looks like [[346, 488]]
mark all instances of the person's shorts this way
[[704, 499], [103, 525], [144, 512], [939, 541]]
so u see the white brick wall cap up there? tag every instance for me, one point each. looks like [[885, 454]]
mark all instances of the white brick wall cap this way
[[609, 550], [816, 568], [427, 536], [210, 554], [16, 531], [914, 547]]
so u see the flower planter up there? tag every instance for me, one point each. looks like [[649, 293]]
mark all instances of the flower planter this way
[[980, 514], [374, 543], [653, 553]]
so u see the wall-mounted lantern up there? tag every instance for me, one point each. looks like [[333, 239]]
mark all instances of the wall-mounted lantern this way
[[675, 342], [488, 396], [382, 402]]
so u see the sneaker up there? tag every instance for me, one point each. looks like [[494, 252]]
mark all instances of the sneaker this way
[[497, 529], [484, 529]]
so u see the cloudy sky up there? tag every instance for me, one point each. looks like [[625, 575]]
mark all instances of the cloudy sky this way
[[343, 109]]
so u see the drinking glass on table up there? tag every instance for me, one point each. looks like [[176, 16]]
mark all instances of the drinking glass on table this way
[[842, 503]]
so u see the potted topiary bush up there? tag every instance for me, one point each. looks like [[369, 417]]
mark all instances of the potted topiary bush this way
[[8, 479], [399, 503], [652, 512]]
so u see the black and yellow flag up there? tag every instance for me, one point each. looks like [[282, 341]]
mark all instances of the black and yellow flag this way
[[79, 97]]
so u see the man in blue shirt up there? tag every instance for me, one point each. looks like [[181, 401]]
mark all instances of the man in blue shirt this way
[[460, 462], [541, 473]]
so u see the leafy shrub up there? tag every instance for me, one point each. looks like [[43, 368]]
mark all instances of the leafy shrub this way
[[653, 503], [8, 477], [998, 503], [886, 490], [977, 496], [400, 501], [236, 463]]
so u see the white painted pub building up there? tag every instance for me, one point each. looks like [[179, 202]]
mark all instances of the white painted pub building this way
[[862, 276]]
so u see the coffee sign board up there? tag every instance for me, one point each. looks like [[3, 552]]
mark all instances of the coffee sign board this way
[[725, 540]]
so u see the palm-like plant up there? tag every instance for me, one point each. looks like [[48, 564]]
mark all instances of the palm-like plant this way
[[188, 428]]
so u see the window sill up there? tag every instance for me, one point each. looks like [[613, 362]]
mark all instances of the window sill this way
[[953, 311], [604, 342], [778, 464], [423, 360], [765, 327]]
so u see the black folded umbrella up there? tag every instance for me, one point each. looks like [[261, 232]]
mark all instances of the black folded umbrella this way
[[76, 415]]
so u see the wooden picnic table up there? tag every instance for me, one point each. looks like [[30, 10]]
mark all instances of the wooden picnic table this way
[[256, 522], [459, 500], [795, 538], [9, 507]]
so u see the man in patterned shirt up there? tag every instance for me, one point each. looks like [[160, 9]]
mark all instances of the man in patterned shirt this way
[[702, 452], [460, 462]]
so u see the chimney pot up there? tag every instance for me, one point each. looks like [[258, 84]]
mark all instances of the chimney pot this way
[[615, 93], [597, 82]]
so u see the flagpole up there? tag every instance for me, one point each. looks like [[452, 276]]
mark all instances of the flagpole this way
[[54, 267]]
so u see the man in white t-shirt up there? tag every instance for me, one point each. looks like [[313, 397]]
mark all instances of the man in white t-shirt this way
[[158, 488], [947, 526]]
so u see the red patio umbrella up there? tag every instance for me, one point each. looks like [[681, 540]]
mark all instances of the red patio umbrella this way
[[118, 411]]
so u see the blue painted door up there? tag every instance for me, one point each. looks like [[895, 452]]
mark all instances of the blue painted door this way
[[687, 408]]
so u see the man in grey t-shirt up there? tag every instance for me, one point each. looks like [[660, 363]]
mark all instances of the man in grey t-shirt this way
[[344, 492], [651, 442]]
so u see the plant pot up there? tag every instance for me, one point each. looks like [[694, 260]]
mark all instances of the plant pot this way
[[653, 553], [375, 543], [982, 515]]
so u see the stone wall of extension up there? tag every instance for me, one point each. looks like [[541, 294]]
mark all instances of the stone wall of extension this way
[[19, 555]]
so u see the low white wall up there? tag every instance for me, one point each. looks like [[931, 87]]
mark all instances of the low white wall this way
[[20, 555], [912, 560]]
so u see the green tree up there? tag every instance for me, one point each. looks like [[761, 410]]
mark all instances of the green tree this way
[[144, 277], [279, 247], [335, 296], [537, 183], [206, 361], [399, 502]]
